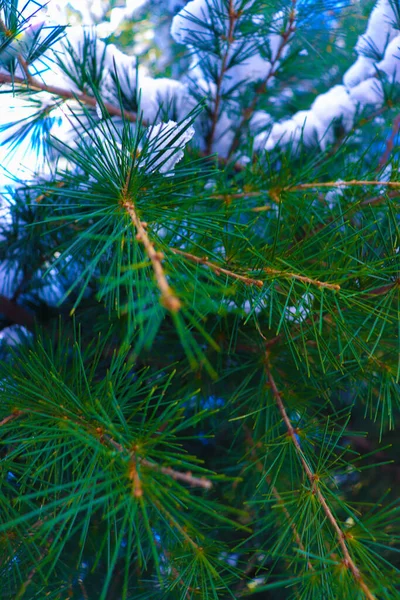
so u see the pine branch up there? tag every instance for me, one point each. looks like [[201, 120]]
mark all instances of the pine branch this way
[[233, 16], [303, 278], [277, 496], [187, 478], [217, 269], [35, 85], [248, 112], [169, 300], [249, 280], [340, 184], [313, 479], [34, 570], [177, 475]]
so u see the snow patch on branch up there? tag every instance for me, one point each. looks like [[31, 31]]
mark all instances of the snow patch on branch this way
[[166, 144], [379, 53]]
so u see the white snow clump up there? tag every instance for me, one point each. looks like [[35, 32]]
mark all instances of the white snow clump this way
[[166, 144]]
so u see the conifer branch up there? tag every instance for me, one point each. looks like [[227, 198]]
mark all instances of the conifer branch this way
[[168, 299], [303, 278], [188, 478], [340, 184], [33, 571], [233, 15], [313, 479], [251, 281], [35, 85], [217, 269], [248, 112], [228, 197], [277, 496]]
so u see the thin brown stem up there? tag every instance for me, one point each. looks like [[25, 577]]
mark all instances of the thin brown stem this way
[[34, 570], [36, 85], [248, 112], [250, 280], [313, 479], [340, 184], [15, 313], [232, 18], [14, 415], [277, 496], [375, 200], [168, 299], [217, 269], [228, 197], [390, 143], [177, 475], [303, 278], [187, 477]]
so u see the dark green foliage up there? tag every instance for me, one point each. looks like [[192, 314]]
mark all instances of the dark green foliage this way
[[206, 405]]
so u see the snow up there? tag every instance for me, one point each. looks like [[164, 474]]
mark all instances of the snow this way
[[362, 69], [367, 93], [188, 22], [390, 65], [166, 144], [380, 30]]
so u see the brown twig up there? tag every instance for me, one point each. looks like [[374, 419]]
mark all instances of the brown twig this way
[[348, 561], [277, 496], [217, 269], [379, 199], [177, 475], [233, 15], [15, 313], [228, 197], [303, 278], [14, 415], [169, 300], [33, 571], [36, 85], [251, 281], [390, 143], [340, 184], [248, 112]]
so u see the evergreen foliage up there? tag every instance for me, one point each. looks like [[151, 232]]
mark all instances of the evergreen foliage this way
[[200, 301]]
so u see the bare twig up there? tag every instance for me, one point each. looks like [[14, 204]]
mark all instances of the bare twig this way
[[169, 300], [313, 479], [34, 570]]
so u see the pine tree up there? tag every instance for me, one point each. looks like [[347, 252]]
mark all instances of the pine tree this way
[[200, 300]]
